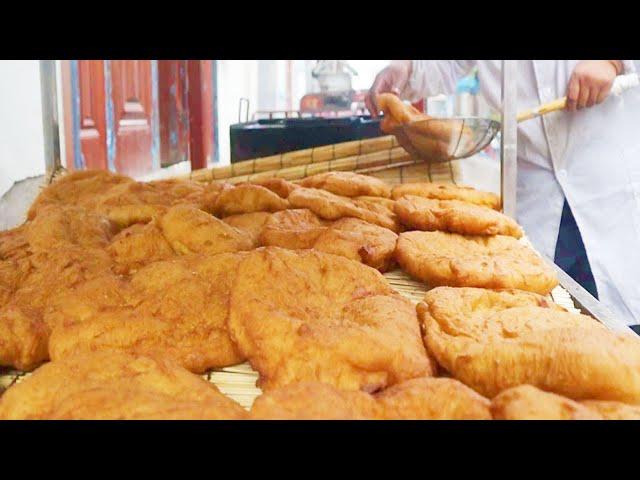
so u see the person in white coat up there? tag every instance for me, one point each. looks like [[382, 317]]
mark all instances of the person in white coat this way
[[578, 170]]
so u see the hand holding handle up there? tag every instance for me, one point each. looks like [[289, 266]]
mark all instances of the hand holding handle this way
[[621, 84]]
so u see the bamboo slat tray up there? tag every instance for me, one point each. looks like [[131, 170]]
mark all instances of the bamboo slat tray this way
[[381, 158]]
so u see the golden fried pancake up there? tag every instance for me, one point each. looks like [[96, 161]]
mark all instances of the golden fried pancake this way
[[123, 200], [311, 401], [377, 203], [348, 184], [441, 258], [309, 316], [247, 199], [251, 224], [424, 398], [294, 229], [348, 237], [115, 386], [396, 112], [333, 207], [447, 191], [40, 278], [494, 340], [189, 230], [138, 245], [419, 213], [14, 244], [613, 410], [61, 225], [529, 403], [176, 309], [80, 188], [360, 241], [279, 186]]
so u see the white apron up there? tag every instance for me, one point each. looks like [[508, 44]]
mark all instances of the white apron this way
[[591, 157]]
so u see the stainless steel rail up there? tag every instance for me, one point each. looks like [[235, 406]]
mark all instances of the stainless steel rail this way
[[588, 304], [48, 93], [509, 137]]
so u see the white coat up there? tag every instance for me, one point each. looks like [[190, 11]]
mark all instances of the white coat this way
[[591, 157]]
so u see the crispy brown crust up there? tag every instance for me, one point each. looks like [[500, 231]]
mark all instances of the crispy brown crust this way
[[494, 340], [279, 186], [530, 403], [329, 206], [441, 258], [176, 309], [447, 191], [116, 386], [419, 213], [248, 198], [424, 398], [333, 320], [348, 237], [250, 224], [348, 184], [613, 410]]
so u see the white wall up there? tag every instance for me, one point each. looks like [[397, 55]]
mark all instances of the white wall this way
[[21, 136], [236, 79]]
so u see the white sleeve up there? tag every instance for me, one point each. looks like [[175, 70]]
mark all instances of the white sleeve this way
[[628, 66], [434, 77]]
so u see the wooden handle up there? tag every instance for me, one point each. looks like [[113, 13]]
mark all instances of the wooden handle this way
[[553, 106]]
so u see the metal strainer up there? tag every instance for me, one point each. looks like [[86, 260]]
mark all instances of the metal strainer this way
[[441, 140]]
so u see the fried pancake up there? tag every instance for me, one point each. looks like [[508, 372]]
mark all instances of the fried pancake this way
[[529, 403], [377, 203], [431, 399], [140, 202], [279, 186], [311, 401], [454, 216], [446, 191], [138, 245], [417, 399], [182, 230], [333, 207], [251, 224], [189, 230], [348, 237], [115, 386], [360, 241], [247, 199], [294, 229], [80, 188], [61, 225], [123, 200], [309, 316], [11, 275], [613, 410], [494, 340], [175, 309], [348, 184], [441, 258], [43, 276], [14, 244], [396, 112]]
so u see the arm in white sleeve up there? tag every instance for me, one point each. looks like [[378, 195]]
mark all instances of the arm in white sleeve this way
[[628, 66], [434, 77]]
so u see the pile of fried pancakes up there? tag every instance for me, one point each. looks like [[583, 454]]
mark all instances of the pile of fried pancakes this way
[[116, 294]]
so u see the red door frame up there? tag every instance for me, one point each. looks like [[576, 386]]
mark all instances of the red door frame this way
[[200, 95], [173, 111]]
